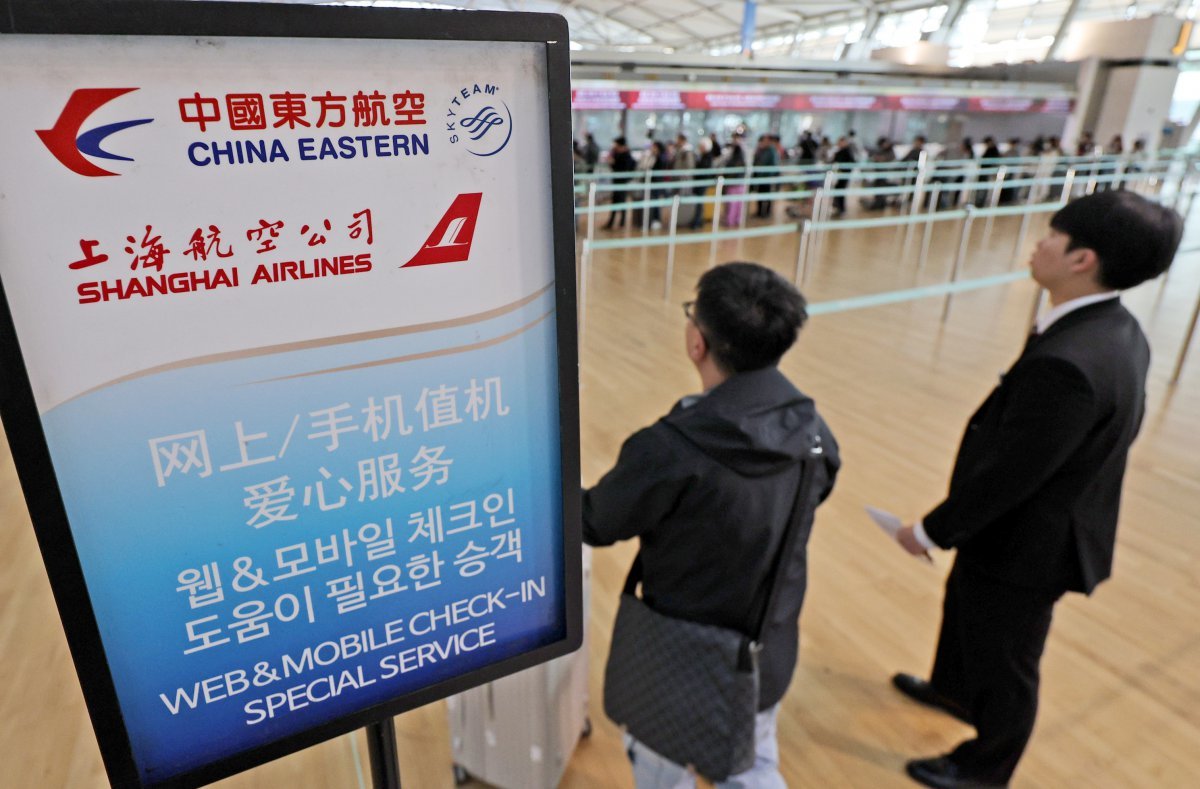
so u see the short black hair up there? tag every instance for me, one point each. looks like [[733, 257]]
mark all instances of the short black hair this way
[[748, 314], [1134, 239]]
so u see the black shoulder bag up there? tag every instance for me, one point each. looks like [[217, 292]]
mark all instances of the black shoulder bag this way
[[689, 691]]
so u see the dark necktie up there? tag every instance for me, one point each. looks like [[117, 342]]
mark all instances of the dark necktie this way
[[1031, 340]]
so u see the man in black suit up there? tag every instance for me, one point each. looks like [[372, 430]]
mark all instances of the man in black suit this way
[[1033, 499]]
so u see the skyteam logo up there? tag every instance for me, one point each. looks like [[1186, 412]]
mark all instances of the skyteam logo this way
[[70, 145], [479, 119]]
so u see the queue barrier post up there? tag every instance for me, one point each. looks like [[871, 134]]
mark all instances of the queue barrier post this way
[[716, 220], [963, 239], [1024, 231], [591, 211], [671, 249], [994, 202], [646, 209], [802, 253], [935, 199]]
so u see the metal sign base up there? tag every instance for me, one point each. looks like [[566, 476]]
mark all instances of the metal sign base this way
[[381, 751]]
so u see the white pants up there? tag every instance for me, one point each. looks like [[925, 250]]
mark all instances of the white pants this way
[[652, 771]]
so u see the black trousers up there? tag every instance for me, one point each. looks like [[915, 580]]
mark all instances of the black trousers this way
[[988, 660], [618, 198], [839, 201], [763, 209]]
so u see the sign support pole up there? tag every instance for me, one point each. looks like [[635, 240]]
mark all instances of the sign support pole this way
[[381, 751]]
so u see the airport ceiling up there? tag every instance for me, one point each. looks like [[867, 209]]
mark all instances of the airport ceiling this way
[[978, 32]]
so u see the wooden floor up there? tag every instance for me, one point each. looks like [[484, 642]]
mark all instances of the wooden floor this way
[[1121, 691]]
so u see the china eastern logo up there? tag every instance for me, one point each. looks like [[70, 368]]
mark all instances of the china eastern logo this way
[[450, 241], [479, 120], [71, 145]]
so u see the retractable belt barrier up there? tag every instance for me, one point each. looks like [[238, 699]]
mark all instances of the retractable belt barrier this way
[[811, 231]]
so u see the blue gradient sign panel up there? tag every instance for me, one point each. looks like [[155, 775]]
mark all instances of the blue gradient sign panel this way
[[291, 334]]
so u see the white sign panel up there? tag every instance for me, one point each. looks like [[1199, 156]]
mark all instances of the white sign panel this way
[[287, 308]]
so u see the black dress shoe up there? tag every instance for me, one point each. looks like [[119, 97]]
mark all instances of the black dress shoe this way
[[921, 691], [941, 773]]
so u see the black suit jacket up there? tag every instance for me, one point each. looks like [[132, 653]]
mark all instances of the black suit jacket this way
[[1036, 486]]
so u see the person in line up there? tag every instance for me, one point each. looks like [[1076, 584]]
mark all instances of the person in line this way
[[717, 151], [621, 161], [1137, 156], [884, 152], [709, 489], [1010, 194], [659, 161], [1086, 146], [806, 148], [856, 147], [1048, 153], [683, 158], [766, 160], [591, 153], [1116, 150], [843, 160], [735, 160], [991, 150], [912, 158], [825, 151], [955, 159], [915, 150], [705, 161], [1034, 496]]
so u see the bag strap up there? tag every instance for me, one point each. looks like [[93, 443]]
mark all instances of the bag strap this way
[[808, 468]]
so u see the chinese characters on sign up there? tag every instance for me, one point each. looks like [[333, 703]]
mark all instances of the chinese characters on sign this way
[[291, 109], [150, 253]]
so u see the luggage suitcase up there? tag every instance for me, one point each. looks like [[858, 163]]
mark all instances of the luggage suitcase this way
[[519, 732]]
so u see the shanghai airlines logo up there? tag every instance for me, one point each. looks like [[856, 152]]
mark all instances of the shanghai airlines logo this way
[[450, 241], [479, 118], [69, 145]]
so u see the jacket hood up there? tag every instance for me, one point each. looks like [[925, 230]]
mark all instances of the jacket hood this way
[[754, 423]]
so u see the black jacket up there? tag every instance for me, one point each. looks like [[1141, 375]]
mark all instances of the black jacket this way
[[1036, 488], [709, 489], [844, 155], [622, 162]]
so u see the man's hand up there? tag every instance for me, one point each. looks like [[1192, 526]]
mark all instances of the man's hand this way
[[908, 541]]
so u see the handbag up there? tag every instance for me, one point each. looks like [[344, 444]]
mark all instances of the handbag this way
[[687, 690]]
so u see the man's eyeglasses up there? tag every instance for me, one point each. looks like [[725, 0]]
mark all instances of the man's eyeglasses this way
[[689, 311]]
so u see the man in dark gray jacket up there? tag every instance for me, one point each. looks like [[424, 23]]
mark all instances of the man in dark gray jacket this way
[[709, 489]]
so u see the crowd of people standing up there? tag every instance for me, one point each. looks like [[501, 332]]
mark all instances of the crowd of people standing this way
[[811, 149]]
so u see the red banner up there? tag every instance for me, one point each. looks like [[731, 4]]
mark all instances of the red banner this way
[[831, 102], [665, 100], [714, 100], [925, 103], [597, 99], [654, 100]]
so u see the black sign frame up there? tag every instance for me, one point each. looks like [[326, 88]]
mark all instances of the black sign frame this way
[[23, 424]]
